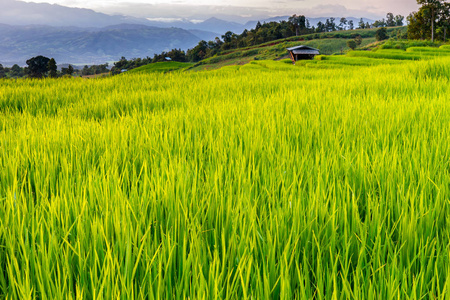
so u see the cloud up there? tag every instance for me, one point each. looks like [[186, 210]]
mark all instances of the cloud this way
[[244, 10], [168, 20], [336, 10]]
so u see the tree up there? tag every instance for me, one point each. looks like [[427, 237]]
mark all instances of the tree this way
[[86, 71], [361, 24], [2, 71], [381, 34], [16, 71], [430, 21], [417, 26], [198, 52], [399, 20], [358, 40], [297, 23], [320, 27], [70, 70], [390, 20], [175, 55], [227, 37], [399, 34], [351, 26], [351, 44], [379, 23], [52, 68], [444, 21], [38, 66], [342, 23], [433, 6], [332, 24]]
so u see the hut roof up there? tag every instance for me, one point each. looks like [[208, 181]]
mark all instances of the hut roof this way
[[304, 50]]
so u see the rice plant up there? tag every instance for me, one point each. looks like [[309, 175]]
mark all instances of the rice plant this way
[[262, 181]]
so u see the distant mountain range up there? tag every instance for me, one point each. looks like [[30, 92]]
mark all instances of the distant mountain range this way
[[83, 36], [15, 12], [88, 46]]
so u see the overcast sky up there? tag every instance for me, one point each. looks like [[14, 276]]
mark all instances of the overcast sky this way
[[244, 9]]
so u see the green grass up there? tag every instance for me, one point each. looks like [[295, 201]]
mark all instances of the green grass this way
[[345, 60], [405, 44], [326, 180], [328, 43], [434, 50], [271, 52], [414, 53], [163, 67]]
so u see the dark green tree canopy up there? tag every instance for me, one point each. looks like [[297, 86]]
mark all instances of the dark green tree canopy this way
[[38, 66], [52, 68], [298, 23], [351, 44], [381, 34], [70, 70], [2, 71], [431, 21]]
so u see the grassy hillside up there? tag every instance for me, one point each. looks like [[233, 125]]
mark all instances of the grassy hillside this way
[[162, 67], [328, 43], [328, 180]]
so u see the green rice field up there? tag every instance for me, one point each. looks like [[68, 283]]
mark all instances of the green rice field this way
[[329, 179]]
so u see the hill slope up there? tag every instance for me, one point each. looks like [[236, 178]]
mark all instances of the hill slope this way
[[328, 43]]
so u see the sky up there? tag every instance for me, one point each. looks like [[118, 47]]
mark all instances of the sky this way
[[243, 10]]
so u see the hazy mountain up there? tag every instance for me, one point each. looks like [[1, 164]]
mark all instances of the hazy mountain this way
[[221, 26], [204, 35], [88, 46], [14, 12], [213, 25]]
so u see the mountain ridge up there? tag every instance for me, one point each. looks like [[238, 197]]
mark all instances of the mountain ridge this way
[[87, 46]]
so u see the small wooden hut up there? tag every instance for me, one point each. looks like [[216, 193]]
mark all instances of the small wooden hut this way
[[302, 52]]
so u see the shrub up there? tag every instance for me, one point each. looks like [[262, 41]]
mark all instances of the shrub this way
[[351, 44], [381, 34]]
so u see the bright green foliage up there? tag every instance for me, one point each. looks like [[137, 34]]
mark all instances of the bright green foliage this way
[[413, 53], [405, 44], [163, 67], [262, 181]]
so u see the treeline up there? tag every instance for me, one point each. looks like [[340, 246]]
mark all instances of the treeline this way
[[41, 66], [38, 67], [390, 21], [123, 64], [296, 25], [94, 70], [14, 72]]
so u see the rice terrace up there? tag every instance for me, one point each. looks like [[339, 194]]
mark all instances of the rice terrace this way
[[237, 176]]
